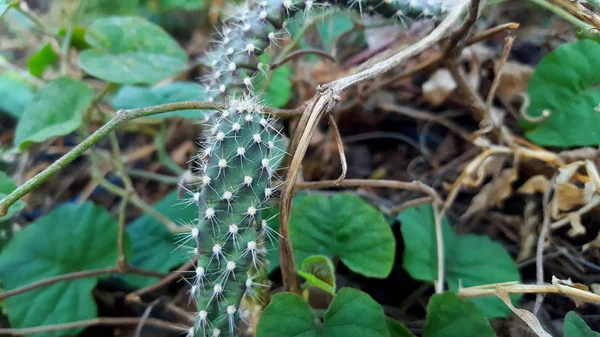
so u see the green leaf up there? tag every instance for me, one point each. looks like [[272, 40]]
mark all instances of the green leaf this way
[[131, 50], [450, 316], [94, 9], [397, 329], [576, 327], [490, 264], [77, 37], [6, 187], [351, 314], [279, 91], [69, 239], [330, 29], [319, 272], [41, 60], [343, 226], [56, 110], [154, 245], [565, 83], [6, 183], [131, 97], [15, 94]]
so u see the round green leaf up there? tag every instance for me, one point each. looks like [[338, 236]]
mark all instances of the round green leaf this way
[[450, 316], [470, 260], [575, 326], [154, 245], [56, 110], [132, 97], [344, 226], [131, 50], [71, 238], [565, 83], [351, 314]]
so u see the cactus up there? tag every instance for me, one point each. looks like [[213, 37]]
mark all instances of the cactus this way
[[238, 165], [233, 62], [240, 156]]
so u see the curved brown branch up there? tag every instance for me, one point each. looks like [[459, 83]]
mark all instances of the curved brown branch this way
[[402, 185], [301, 52]]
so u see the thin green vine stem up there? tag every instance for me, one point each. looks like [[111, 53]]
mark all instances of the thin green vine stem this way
[[161, 149], [122, 117], [139, 203], [562, 13], [165, 179]]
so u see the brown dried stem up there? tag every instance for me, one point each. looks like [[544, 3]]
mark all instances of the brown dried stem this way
[[515, 288]]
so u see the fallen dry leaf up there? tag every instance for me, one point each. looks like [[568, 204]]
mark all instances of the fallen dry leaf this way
[[493, 193]]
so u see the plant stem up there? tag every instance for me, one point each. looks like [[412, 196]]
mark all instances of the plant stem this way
[[133, 321], [562, 13], [38, 24], [122, 117], [163, 156], [139, 203], [78, 275], [163, 178]]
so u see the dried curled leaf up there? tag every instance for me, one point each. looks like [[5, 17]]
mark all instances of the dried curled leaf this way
[[493, 193], [535, 184], [527, 317]]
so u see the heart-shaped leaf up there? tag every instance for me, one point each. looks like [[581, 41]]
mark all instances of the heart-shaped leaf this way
[[565, 84], [343, 226], [131, 50], [450, 316], [132, 97], [154, 245], [69, 239], [351, 314], [56, 110], [470, 260], [576, 327], [319, 272]]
